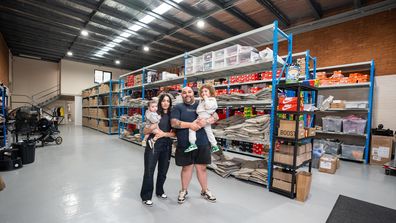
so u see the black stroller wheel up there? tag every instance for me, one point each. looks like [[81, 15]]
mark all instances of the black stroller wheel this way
[[58, 140]]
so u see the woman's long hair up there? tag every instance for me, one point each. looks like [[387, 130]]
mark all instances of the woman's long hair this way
[[160, 109]]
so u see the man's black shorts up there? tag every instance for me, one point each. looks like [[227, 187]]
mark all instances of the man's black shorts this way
[[202, 155]]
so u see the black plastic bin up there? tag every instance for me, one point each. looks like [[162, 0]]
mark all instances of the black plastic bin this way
[[27, 151]]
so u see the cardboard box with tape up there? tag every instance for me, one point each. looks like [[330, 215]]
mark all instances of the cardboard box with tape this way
[[287, 129], [381, 149], [328, 164]]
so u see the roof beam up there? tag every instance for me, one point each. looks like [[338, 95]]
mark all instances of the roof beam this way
[[359, 3], [316, 9], [274, 10], [237, 13]]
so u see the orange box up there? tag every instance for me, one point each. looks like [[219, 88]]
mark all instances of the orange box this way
[[288, 100]]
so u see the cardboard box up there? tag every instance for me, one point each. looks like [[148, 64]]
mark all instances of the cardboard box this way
[[287, 129], [308, 147], [381, 149], [310, 132], [337, 104], [288, 159], [280, 175], [328, 164], [2, 184], [283, 185], [289, 149]]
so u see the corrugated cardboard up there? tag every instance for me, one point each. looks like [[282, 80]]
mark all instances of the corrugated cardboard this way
[[288, 159], [283, 185], [308, 147], [289, 149], [381, 149], [287, 129], [328, 164], [280, 175]]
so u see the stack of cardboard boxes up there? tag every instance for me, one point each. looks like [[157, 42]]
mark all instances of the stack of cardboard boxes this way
[[286, 152]]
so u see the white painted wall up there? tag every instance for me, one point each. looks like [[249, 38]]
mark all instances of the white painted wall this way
[[31, 76], [76, 76], [384, 110], [78, 110]]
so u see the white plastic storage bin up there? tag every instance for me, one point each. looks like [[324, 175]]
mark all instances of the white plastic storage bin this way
[[232, 61], [190, 70], [208, 57], [355, 126], [248, 57], [218, 64], [190, 62], [198, 64], [208, 66], [219, 55], [352, 152], [232, 50], [332, 124], [329, 147], [356, 104]]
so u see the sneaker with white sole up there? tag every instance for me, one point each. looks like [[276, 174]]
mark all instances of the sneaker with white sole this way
[[208, 196], [162, 196], [148, 203], [192, 147], [182, 196]]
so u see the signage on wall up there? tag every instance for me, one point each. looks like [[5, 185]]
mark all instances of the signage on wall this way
[[101, 76]]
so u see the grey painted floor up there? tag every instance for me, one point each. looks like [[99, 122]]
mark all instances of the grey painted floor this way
[[93, 177]]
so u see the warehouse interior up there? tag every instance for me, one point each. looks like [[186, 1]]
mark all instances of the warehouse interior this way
[[315, 141]]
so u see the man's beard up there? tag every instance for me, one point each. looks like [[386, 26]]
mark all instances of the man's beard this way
[[189, 102]]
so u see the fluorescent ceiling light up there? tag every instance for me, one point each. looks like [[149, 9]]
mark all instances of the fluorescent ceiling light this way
[[28, 56], [135, 28], [126, 34], [162, 8], [70, 53], [201, 23], [118, 40], [105, 49], [146, 48], [147, 19], [177, 1], [84, 32], [117, 62]]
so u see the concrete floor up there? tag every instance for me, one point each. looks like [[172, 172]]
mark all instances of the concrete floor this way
[[93, 177]]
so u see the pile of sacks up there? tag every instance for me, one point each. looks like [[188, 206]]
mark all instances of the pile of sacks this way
[[134, 119], [252, 170], [133, 102], [255, 171], [263, 96], [251, 129]]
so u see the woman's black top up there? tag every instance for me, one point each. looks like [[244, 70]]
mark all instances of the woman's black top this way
[[165, 126]]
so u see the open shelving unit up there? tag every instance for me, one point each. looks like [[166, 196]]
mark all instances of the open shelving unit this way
[[100, 107], [286, 169], [267, 35], [350, 92], [3, 124]]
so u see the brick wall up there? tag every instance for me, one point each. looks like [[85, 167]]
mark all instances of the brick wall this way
[[3, 61], [371, 37]]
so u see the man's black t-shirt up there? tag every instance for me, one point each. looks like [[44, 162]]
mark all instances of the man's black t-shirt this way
[[188, 113]]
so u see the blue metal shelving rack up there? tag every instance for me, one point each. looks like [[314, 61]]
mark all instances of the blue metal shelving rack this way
[[110, 107], [368, 66], [4, 103]]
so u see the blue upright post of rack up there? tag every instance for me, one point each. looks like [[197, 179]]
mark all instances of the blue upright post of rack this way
[[370, 110], [274, 84], [143, 95], [110, 111], [120, 109], [3, 112], [185, 69]]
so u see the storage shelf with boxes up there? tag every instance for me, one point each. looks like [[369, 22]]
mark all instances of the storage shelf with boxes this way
[[100, 107], [292, 140], [345, 91]]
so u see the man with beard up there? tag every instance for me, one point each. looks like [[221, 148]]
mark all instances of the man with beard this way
[[184, 117]]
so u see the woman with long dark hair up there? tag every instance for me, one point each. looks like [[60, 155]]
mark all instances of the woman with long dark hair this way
[[161, 153]]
